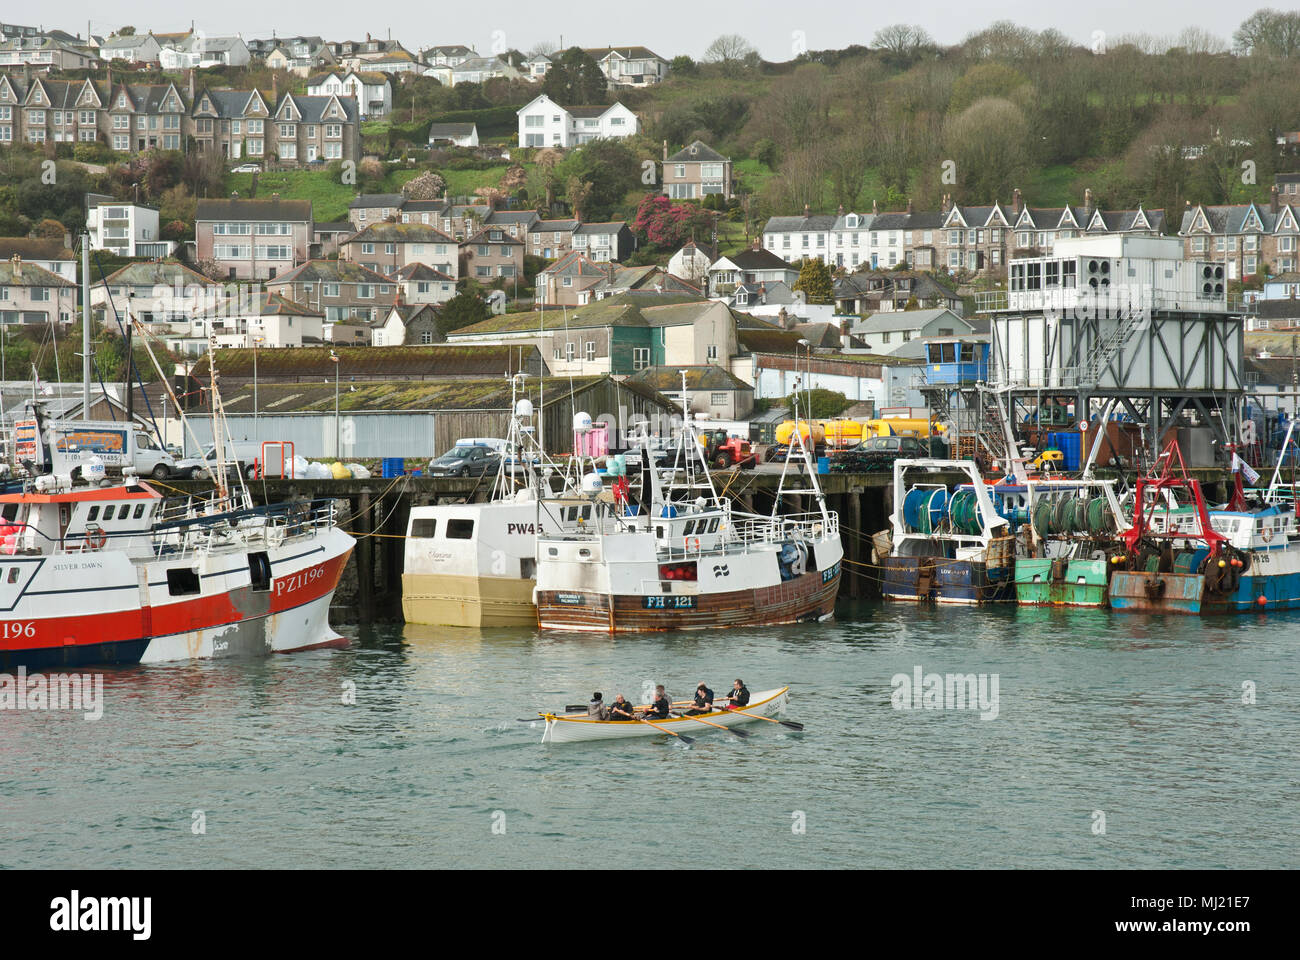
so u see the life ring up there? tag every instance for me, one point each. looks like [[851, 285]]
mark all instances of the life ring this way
[[95, 539], [693, 543], [1267, 535]]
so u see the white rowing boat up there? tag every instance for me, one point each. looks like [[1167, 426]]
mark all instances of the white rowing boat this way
[[573, 728]]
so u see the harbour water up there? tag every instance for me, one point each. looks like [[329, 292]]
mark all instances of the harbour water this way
[[1118, 741]]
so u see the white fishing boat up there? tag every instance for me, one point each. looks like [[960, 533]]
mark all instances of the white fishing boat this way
[[473, 564], [575, 728], [671, 553]]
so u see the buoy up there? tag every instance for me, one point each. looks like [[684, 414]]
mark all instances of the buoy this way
[[1261, 601], [1222, 564]]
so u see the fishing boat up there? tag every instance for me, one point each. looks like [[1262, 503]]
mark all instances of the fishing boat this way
[[946, 547], [1069, 531], [575, 728], [671, 553], [1189, 558], [99, 573], [474, 564]]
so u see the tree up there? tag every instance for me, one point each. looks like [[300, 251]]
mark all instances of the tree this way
[[576, 190], [731, 52], [465, 308], [669, 223], [988, 143], [126, 32], [902, 41], [815, 281], [683, 66], [575, 78], [48, 230], [1269, 33], [819, 404], [985, 80], [514, 179], [427, 186], [610, 169]]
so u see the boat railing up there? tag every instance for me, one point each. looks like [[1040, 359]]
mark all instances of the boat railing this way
[[808, 526], [261, 526]]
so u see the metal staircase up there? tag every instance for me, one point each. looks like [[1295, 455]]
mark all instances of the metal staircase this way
[[1107, 349]]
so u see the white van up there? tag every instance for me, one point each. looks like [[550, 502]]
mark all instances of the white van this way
[[117, 444]]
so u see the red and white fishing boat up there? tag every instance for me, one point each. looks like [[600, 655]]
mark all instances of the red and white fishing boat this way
[[118, 574], [100, 573]]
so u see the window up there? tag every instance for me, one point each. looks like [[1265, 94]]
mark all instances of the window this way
[[569, 352], [640, 358], [713, 352], [424, 527], [365, 291], [590, 351], [458, 529], [717, 399]]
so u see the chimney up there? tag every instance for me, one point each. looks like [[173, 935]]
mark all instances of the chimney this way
[[275, 88], [839, 211], [909, 204], [1016, 201], [807, 210], [191, 86], [1087, 202], [665, 151], [874, 208], [762, 293], [17, 262], [946, 205], [1272, 200]]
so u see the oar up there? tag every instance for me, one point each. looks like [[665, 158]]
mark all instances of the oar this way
[[740, 733], [785, 723], [680, 736]]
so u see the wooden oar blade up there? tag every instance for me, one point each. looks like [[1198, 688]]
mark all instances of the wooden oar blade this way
[[792, 724]]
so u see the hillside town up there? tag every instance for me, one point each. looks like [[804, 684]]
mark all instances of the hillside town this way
[[301, 193]]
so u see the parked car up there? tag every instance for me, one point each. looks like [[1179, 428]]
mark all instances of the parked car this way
[[247, 168], [465, 460]]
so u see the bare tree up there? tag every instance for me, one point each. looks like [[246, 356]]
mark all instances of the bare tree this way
[[730, 51], [902, 39], [1269, 33]]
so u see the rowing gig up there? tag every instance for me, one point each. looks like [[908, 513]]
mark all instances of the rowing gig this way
[[575, 728]]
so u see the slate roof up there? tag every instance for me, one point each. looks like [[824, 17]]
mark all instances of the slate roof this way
[[157, 273], [329, 271], [891, 320], [28, 249], [266, 210], [807, 224], [696, 151], [1234, 217], [703, 377], [371, 200], [400, 233], [29, 275], [451, 131], [372, 363], [758, 260], [420, 271]]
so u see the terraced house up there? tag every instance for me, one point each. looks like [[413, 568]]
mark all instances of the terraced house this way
[[254, 239], [32, 295], [1253, 239], [339, 290], [40, 110], [387, 247], [299, 130], [491, 254]]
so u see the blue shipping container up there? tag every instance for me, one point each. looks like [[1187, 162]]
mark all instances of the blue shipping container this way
[[1070, 443]]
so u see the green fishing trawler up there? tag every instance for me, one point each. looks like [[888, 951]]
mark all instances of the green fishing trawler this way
[[1069, 543]]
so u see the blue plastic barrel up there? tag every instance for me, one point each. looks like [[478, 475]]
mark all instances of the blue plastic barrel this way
[[391, 467]]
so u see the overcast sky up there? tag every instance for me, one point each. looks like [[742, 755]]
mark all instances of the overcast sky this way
[[773, 26]]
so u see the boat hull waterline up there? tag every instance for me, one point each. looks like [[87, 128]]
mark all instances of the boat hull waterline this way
[[768, 703]]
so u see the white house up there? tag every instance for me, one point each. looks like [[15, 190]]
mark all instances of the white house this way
[[449, 55], [536, 68], [691, 263], [629, 66], [372, 91], [127, 229], [544, 123], [198, 50], [139, 48], [479, 69], [456, 134]]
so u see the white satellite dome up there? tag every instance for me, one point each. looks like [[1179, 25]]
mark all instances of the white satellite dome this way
[[592, 484], [92, 471], [524, 408], [582, 421]]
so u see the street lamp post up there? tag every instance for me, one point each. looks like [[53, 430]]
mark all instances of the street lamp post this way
[[338, 452]]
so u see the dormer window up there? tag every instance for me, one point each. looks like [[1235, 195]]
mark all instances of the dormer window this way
[[851, 221]]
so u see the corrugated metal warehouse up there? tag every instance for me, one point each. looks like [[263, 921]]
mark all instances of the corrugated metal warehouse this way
[[406, 418]]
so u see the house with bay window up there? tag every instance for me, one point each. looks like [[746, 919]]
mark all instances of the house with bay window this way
[[347, 295], [387, 247], [696, 171], [254, 239], [1254, 239]]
